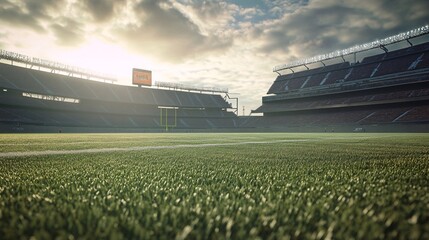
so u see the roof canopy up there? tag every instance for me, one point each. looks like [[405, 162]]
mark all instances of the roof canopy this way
[[357, 48]]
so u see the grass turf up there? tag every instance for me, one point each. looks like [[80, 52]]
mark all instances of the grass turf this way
[[366, 186]]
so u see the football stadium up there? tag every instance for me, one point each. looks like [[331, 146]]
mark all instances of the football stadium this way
[[337, 149], [40, 101], [385, 92]]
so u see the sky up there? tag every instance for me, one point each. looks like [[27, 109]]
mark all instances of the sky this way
[[229, 44]]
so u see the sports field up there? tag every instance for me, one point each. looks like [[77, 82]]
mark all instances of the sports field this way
[[214, 186]]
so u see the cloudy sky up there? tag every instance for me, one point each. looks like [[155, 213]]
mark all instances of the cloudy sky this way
[[232, 44]]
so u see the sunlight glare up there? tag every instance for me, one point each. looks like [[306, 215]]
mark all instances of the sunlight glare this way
[[102, 57]]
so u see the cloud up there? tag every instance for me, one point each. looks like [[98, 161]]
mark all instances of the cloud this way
[[162, 31], [13, 14], [326, 25], [43, 17], [210, 10], [210, 16], [43, 8], [28, 14], [281, 7], [2, 37], [68, 32], [103, 10]]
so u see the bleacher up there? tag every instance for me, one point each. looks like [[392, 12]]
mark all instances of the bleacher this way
[[386, 88], [403, 60], [102, 105], [359, 99]]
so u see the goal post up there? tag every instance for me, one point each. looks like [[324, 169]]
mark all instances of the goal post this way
[[168, 117]]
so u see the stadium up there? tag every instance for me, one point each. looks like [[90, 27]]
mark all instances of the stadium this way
[[40, 101], [382, 93], [337, 149]]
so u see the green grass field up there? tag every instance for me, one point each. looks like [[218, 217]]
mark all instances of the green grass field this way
[[214, 186]]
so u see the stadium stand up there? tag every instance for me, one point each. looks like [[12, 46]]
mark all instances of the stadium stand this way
[[37, 101], [387, 89]]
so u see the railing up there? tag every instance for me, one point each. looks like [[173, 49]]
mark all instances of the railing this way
[[357, 48], [179, 86], [357, 85], [54, 66]]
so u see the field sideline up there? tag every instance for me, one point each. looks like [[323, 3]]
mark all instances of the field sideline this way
[[55, 142], [73, 144], [214, 185]]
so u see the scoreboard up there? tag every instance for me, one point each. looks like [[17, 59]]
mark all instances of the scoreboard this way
[[142, 77]]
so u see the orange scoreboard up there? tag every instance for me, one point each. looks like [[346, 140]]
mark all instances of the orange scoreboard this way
[[142, 77]]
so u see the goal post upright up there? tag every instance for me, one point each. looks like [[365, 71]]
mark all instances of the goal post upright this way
[[164, 120]]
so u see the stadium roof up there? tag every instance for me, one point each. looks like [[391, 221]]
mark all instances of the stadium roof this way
[[357, 48], [178, 86], [52, 65]]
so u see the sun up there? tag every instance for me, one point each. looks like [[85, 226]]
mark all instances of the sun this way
[[106, 58]]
